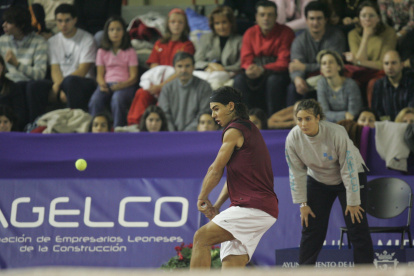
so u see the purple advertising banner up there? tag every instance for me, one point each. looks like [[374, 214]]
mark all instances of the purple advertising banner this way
[[135, 201], [385, 258]]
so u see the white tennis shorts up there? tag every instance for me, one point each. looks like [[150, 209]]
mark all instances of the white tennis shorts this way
[[247, 225]]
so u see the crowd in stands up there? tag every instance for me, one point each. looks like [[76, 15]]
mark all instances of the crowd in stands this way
[[354, 57]]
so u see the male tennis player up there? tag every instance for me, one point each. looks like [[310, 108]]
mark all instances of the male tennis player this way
[[254, 205]]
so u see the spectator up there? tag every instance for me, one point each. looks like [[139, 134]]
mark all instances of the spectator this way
[[9, 96], [318, 36], [175, 40], [400, 15], [284, 118], [292, 13], [394, 91], [339, 96], [207, 123], [101, 122], [366, 117], [406, 115], [218, 52], [71, 55], [220, 49], [25, 54], [7, 119], [258, 117], [186, 97], [6, 4], [117, 72], [370, 39], [49, 8], [265, 56], [153, 120], [368, 43]]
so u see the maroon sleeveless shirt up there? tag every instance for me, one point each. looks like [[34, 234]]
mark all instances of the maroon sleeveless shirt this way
[[249, 171]]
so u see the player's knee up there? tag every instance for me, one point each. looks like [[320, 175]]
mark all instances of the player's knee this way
[[198, 236]]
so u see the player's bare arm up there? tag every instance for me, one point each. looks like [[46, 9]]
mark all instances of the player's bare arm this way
[[232, 140]]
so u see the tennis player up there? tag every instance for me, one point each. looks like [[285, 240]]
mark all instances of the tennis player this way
[[324, 164], [254, 205]]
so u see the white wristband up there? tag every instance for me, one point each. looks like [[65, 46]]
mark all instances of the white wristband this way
[[303, 204]]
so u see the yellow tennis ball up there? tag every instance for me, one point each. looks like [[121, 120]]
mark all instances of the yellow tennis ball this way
[[81, 164]]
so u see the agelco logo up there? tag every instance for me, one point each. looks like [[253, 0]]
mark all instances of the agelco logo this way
[[39, 213]]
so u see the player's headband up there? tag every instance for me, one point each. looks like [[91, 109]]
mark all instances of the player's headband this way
[[225, 97]]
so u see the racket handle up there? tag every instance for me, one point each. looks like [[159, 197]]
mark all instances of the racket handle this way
[[204, 205]]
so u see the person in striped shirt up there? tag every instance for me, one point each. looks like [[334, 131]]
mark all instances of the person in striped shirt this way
[[24, 52]]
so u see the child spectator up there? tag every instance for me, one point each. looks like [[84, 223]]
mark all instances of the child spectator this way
[[153, 120], [206, 123], [258, 117], [339, 96], [175, 40], [7, 119], [101, 122], [366, 117], [117, 72], [406, 115]]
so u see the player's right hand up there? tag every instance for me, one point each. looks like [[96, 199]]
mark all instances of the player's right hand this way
[[205, 207]]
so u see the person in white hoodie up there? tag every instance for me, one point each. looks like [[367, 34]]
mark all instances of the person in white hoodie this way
[[324, 164]]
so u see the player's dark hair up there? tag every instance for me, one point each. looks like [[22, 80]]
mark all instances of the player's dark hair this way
[[227, 94], [312, 106]]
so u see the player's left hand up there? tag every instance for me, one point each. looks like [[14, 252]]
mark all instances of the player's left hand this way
[[355, 212]]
